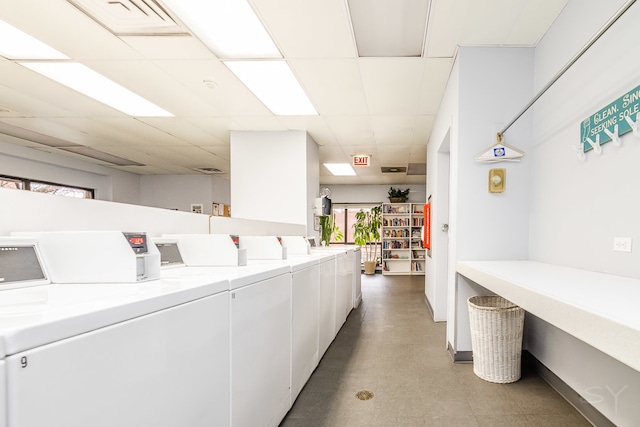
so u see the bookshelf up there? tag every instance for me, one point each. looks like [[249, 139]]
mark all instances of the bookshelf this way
[[402, 249]]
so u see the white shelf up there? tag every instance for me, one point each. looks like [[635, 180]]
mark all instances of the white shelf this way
[[402, 218]]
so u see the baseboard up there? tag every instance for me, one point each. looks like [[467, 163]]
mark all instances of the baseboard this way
[[459, 356], [587, 410], [426, 300]]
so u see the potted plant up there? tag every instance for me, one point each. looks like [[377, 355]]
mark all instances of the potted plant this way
[[397, 195], [366, 233], [329, 228]]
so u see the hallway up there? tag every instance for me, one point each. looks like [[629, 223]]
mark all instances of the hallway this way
[[391, 347]]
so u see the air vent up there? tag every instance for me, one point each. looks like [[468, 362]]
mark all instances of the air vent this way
[[29, 135], [393, 169], [130, 17], [209, 171], [417, 169], [102, 156]]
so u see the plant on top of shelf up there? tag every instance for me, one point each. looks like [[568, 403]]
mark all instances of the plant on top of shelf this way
[[366, 233], [397, 195]]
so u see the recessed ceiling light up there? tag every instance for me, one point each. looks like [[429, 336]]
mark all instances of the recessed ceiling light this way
[[230, 28], [275, 85], [16, 44], [88, 82], [340, 169]]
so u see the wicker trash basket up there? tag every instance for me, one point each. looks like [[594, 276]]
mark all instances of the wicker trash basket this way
[[496, 338]]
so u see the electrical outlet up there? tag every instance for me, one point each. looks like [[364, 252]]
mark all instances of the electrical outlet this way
[[622, 244]]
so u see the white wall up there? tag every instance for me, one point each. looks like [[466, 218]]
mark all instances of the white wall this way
[[439, 272], [44, 212], [577, 208], [492, 86], [372, 193], [107, 183], [180, 191]]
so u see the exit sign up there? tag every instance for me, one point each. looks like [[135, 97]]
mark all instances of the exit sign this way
[[362, 160]]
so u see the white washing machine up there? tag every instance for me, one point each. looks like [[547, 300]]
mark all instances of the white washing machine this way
[[260, 331], [344, 282], [116, 354]]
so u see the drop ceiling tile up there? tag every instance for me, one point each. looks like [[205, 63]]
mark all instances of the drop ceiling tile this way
[[422, 130], [333, 154], [221, 151], [394, 155], [333, 85], [351, 130], [315, 126], [534, 20], [169, 47], [219, 127], [394, 130], [434, 83], [392, 85], [182, 129], [216, 85], [462, 22], [304, 29], [266, 123], [137, 133]]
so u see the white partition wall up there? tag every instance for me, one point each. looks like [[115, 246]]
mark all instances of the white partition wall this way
[[274, 176], [30, 211]]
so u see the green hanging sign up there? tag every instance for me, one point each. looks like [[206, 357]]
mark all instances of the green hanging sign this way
[[601, 125]]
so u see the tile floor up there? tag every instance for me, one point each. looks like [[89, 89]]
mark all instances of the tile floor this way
[[390, 346]]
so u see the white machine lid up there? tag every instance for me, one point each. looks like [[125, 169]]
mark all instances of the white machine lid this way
[[238, 276], [31, 317]]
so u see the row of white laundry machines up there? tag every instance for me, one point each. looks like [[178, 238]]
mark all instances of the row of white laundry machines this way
[[120, 329]]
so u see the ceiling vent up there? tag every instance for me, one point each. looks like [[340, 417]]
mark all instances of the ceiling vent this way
[[209, 171], [417, 169], [130, 17], [29, 135], [393, 169]]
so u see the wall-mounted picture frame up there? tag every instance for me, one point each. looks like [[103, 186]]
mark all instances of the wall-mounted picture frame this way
[[197, 208]]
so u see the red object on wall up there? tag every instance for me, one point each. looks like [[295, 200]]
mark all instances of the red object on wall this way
[[426, 239]]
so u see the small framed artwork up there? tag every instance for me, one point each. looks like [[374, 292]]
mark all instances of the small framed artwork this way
[[316, 223], [197, 208]]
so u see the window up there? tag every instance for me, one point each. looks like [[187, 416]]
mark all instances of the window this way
[[345, 217], [45, 187]]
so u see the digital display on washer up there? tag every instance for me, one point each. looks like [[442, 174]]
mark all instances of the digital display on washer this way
[[137, 241], [19, 264], [169, 254]]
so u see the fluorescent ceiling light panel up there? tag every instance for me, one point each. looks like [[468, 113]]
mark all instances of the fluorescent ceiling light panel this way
[[275, 85], [389, 28], [340, 169], [16, 44], [230, 28], [88, 82]]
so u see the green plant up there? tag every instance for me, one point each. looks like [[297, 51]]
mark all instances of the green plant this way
[[366, 232], [329, 228], [398, 193]]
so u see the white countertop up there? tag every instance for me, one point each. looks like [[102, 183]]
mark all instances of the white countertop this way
[[599, 309]]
